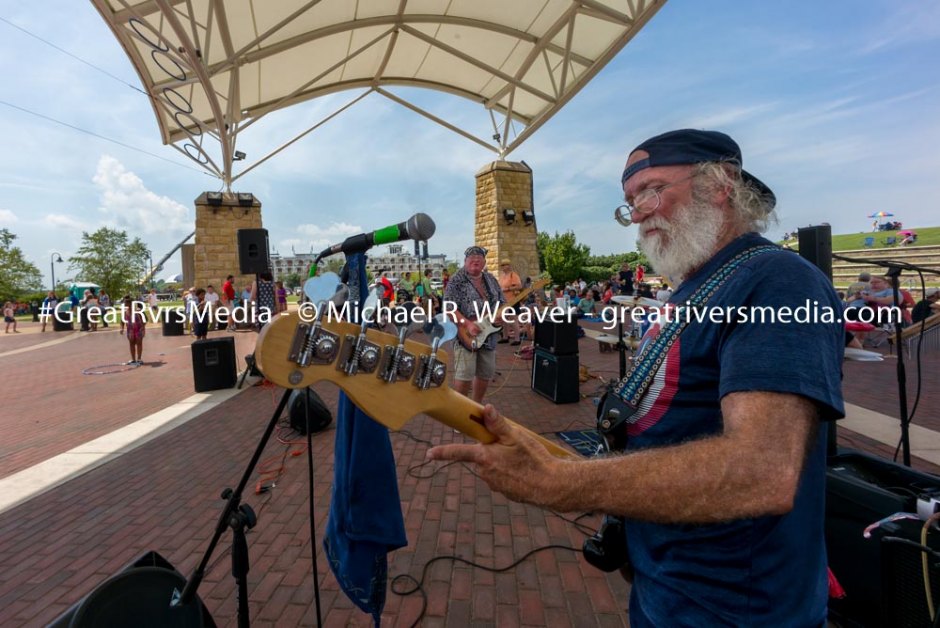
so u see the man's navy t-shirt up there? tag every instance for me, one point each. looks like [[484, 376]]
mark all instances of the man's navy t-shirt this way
[[766, 571]]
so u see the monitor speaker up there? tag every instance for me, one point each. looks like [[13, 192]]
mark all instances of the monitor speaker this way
[[816, 247], [320, 415], [560, 338], [214, 364], [556, 376], [137, 596], [253, 251]]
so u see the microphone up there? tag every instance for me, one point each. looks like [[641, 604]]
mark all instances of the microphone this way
[[418, 227]]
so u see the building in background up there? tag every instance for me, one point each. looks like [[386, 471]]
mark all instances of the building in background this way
[[397, 261], [298, 263]]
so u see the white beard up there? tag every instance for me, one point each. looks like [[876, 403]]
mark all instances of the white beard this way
[[683, 245]]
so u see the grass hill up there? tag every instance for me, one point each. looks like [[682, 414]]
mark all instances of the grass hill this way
[[854, 241], [925, 252]]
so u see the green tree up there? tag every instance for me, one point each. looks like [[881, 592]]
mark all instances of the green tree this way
[[563, 256], [17, 274], [613, 262], [108, 258], [292, 281]]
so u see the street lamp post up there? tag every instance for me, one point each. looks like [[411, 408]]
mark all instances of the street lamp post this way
[[52, 263]]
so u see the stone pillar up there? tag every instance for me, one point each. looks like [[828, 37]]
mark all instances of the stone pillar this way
[[216, 249], [188, 255], [505, 185]]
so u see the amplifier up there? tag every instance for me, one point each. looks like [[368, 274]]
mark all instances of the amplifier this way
[[556, 376], [860, 490], [214, 364], [559, 338]]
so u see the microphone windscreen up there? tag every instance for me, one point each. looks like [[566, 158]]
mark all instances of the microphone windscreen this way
[[420, 227]]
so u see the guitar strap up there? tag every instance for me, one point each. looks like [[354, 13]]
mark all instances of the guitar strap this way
[[620, 405]]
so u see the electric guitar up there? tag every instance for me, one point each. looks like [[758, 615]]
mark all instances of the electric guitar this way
[[487, 328], [391, 381]]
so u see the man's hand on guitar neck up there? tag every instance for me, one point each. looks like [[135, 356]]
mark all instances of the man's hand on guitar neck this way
[[516, 464]]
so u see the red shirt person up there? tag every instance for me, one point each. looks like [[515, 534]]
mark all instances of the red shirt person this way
[[228, 291]]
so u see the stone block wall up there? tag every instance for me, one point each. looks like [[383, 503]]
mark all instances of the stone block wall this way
[[506, 185], [215, 253]]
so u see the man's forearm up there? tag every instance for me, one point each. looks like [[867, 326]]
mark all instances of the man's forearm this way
[[697, 482], [751, 469]]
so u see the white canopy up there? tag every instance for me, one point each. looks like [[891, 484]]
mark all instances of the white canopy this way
[[213, 67]]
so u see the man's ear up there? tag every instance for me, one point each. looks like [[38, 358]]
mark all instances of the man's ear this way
[[721, 193]]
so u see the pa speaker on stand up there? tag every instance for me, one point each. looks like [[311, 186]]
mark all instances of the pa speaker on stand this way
[[253, 251]]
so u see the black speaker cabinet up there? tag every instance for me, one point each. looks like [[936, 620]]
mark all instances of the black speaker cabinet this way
[[137, 596], [860, 490], [253, 251], [64, 324], [214, 364], [556, 376], [173, 322], [816, 247], [559, 338]]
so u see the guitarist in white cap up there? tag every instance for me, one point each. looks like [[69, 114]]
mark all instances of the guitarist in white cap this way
[[470, 290]]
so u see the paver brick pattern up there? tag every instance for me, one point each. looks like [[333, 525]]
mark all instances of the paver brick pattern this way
[[164, 496]]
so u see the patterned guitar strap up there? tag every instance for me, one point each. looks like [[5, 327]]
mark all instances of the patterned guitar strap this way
[[620, 404]]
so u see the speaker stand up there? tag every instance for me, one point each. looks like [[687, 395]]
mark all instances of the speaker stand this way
[[621, 346]]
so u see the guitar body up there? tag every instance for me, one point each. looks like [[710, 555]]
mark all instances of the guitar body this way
[[475, 343], [392, 404], [488, 328]]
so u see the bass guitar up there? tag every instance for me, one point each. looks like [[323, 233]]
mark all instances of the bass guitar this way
[[487, 328], [390, 378]]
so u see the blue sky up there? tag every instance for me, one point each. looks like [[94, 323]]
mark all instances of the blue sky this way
[[834, 103]]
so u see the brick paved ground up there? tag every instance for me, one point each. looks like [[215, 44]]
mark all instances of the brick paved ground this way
[[50, 406], [164, 496]]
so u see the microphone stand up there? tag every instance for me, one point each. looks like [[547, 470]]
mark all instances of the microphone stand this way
[[894, 272]]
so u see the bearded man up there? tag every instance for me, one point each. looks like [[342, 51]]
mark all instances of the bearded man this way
[[721, 482]]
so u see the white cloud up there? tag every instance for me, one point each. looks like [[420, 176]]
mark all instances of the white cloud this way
[[319, 236], [65, 222], [127, 202], [7, 217]]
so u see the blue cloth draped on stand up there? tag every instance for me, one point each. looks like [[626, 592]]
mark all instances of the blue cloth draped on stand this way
[[365, 521]]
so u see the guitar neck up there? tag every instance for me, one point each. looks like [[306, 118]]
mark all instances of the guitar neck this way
[[526, 292], [466, 416]]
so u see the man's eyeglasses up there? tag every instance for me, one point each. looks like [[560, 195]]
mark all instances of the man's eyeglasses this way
[[646, 202]]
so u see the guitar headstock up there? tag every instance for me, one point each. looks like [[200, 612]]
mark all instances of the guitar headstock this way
[[390, 381]]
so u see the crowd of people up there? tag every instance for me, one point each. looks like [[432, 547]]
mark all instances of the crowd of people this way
[[872, 294]]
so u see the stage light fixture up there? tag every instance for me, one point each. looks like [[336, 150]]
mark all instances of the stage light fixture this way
[[509, 215], [528, 216], [214, 198], [246, 199]]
